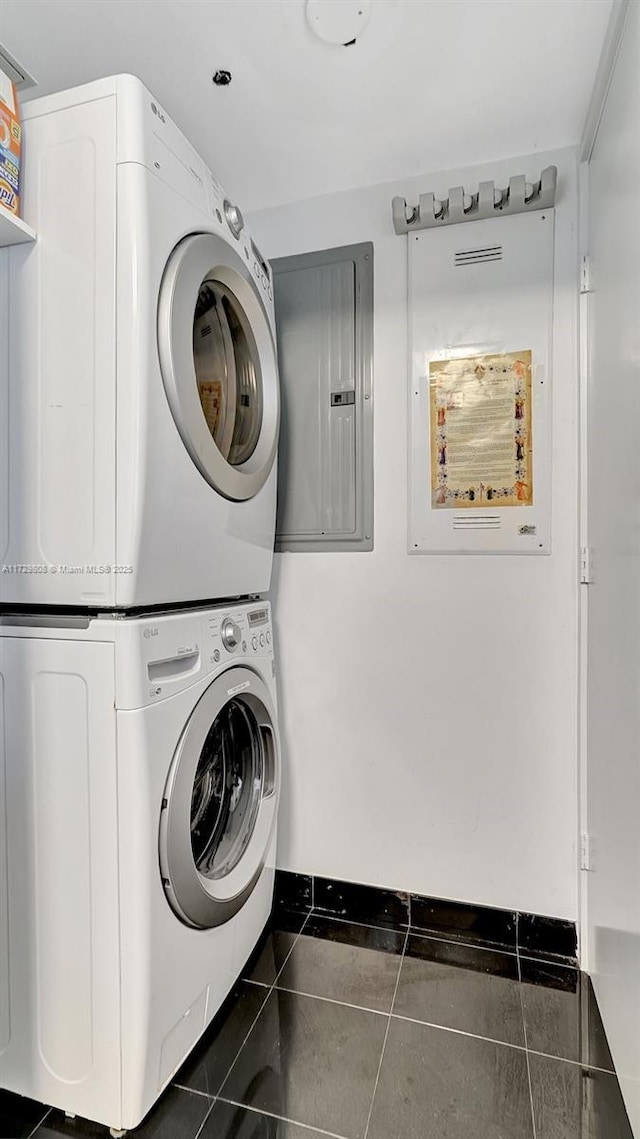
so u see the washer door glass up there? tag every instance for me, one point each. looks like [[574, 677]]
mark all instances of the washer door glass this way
[[218, 364], [227, 789], [219, 806]]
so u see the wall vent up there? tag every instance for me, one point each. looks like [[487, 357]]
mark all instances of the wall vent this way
[[478, 256], [476, 521]]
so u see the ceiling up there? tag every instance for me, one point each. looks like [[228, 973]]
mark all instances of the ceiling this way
[[430, 84]]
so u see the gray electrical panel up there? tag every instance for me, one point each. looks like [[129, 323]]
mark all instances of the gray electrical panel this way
[[324, 320]]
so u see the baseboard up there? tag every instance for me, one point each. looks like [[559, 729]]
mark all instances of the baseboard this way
[[531, 935]]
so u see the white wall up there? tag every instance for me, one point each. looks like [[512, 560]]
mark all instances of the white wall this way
[[403, 768], [613, 742]]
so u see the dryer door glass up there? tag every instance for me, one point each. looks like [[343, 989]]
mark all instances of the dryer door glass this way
[[227, 789], [218, 363], [227, 373]]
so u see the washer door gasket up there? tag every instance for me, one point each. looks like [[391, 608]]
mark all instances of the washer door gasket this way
[[220, 801]]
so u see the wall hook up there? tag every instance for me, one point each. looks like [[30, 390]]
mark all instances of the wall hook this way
[[519, 197]]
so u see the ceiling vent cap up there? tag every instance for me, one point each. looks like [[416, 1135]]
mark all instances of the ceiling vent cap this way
[[338, 22]]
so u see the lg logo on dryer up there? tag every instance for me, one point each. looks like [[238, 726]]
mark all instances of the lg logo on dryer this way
[[150, 632], [156, 110]]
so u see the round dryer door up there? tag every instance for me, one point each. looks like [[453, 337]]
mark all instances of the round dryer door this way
[[218, 362], [220, 802]]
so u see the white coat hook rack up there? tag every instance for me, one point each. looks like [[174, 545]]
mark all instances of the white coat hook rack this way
[[519, 197]]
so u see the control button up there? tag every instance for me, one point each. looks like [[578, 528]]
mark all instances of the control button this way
[[231, 634], [256, 269], [254, 643], [268, 637], [244, 646], [216, 654], [262, 640], [269, 293], [264, 282], [235, 220]]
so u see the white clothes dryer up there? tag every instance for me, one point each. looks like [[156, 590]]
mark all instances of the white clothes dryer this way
[[139, 403], [140, 769]]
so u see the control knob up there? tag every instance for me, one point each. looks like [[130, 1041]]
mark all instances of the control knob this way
[[235, 220], [231, 634]]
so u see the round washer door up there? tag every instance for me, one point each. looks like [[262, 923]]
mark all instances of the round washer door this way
[[220, 801], [218, 363]]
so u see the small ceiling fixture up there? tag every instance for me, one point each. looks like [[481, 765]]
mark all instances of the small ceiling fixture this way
[[338, 21], [222, 78]]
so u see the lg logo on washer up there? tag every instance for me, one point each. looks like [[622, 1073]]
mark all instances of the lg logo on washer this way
[[156, 110], [150, 632]]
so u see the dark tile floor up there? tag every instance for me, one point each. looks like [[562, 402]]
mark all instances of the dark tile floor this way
[[360, 1032]]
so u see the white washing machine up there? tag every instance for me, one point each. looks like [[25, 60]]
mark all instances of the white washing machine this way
[[139, 403], [139, 765]]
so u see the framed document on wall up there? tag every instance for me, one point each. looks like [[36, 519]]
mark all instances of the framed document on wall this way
[[480, 312]]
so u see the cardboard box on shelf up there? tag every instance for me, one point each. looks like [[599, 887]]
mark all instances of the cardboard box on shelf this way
[[10, 146]]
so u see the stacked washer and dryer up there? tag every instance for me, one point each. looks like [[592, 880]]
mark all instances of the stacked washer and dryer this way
[[139, 753]]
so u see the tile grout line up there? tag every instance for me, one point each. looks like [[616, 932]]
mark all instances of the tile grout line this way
[[255, 1019], [417, 931], [330, 1000], [384, 1042], [411, 899], [576, 1063], [555, 962], [518, 934], [192, 1091], [458, 1032], [560, 960], [285, 1118], [524, 1029], [408, 932], [411, 1020], [207, 1114], [390, 1016], [291, 949], [214, 1098], [434, 935], [47, 1113], [328, 915], [415, 1020], [241, 1046]]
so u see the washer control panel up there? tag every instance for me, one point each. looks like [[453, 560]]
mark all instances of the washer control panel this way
[[160, 654], [244, 631], [231, 634], [260, 629]]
